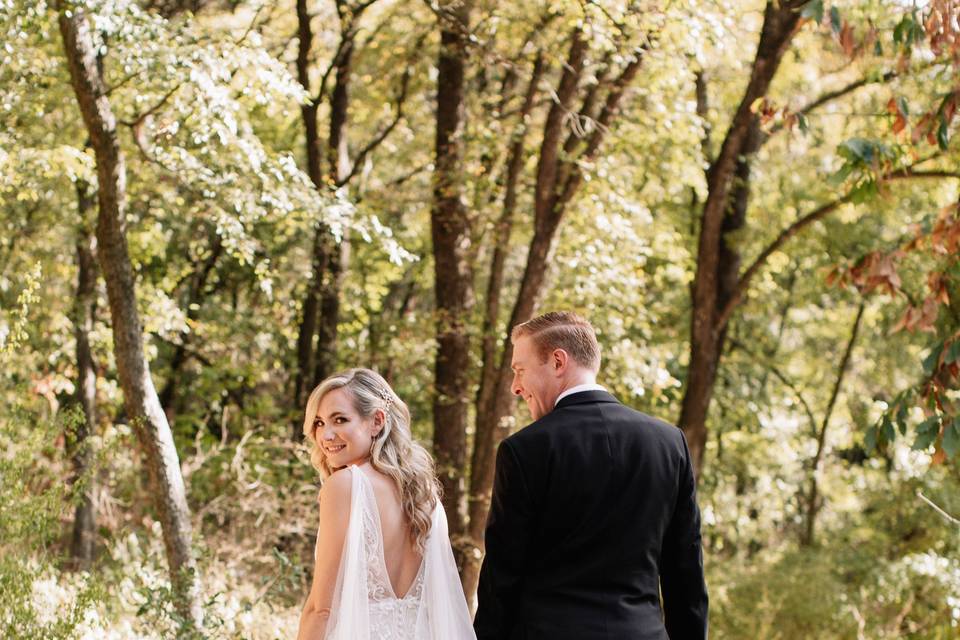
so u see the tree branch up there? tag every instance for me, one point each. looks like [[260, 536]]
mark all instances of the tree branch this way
[[823, 210], [547, 169], [334, 62], [936, 508], [572, 170], [380, 137], [586, 113], [703, 110], [779, 375], [136, 122], [803, 402], [396, 182]]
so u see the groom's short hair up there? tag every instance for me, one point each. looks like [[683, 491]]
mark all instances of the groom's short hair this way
[[562, 330]]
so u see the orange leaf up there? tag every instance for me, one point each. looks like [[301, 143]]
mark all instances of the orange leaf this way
[[899, 124], [832, 276], [929, 315], [943, 296], [939, 457], [923, 128], [846, 39], [950, 108], [905, 321]]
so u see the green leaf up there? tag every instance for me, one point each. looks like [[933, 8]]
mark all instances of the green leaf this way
[[903, 105], [888, 433], [835, 22], [903, 32], [813, 11], [927, 432], [863, 191], [802, 123], [953, 353], [901, 419], [943, 136], [877, 48], [932, 360], [870, 440], [931, 424], [951, 438], [858, 148], [841, 175]]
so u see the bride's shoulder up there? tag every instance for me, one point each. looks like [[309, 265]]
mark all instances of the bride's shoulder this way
[[337, 487]]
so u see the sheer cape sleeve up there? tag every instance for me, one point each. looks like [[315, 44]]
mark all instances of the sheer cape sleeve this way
[[349, 614], [443, 614]]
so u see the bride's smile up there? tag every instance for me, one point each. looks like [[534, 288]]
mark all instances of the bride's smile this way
[[343, 435]]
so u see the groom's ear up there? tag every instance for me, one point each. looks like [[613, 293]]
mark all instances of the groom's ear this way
[[559, 359]]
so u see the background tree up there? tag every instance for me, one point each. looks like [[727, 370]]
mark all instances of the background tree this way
[[142, 403], [450, 230], [84, 317], [845, 177]]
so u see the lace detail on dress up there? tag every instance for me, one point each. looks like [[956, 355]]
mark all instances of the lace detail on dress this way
[[391, 618]]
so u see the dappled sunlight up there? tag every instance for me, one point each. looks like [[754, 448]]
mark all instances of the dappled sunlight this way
[[206, 208]]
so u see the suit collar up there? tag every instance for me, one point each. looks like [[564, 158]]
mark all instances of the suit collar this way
[[582, 397]]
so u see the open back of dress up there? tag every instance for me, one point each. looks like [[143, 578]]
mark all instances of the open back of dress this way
[[364, 604]]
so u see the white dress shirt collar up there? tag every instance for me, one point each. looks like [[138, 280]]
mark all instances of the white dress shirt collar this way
[[577, 389]]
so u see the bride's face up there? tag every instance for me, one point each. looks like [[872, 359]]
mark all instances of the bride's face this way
[[342, 434]]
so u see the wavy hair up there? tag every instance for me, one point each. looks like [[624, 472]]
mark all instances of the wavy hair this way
[[394, 452]]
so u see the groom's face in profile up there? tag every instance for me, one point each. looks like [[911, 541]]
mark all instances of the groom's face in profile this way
[[534, 379]]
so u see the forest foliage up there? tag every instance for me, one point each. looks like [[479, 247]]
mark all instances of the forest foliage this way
[[756, 203]]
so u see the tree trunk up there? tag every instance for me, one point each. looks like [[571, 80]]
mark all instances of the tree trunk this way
[[84, 315], [559, 176], [338, 162], [140, 397], [337, 255], [501, 246], [451, 230], [706, 339], [813, 502], [487, 439], [311, 305], [494, 399], [317, 338], [306, 334]]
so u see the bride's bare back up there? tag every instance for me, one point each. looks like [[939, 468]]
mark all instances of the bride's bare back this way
[[399, 553]]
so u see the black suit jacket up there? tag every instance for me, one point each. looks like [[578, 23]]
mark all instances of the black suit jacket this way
[[593, 515]]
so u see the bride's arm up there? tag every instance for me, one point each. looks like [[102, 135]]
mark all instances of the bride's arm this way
[[334, 518]]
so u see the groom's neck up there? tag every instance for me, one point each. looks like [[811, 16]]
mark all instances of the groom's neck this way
[[582, 377]]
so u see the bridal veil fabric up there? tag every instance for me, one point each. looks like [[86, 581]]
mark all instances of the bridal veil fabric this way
[[364, 604]]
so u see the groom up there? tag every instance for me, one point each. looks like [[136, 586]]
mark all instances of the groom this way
[[593, 516]]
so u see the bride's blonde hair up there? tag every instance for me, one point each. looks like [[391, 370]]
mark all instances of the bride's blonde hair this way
[[393, 452]]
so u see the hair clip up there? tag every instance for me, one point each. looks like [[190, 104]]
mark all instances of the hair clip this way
[[387, 397]]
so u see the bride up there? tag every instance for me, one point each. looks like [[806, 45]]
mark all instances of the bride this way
[[384, 567]]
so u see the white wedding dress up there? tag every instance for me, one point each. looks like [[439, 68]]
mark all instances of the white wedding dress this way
[[364, 604]]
